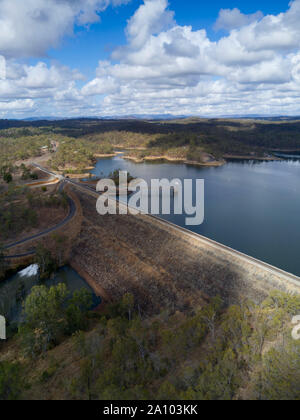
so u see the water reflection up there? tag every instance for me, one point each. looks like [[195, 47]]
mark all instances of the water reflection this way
[[251, 206]]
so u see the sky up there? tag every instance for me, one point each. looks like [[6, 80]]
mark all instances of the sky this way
[[77, 58]]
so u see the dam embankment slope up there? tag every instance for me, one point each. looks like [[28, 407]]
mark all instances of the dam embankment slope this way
[[167, 267]]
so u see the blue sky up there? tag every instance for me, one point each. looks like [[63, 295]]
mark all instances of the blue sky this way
[[117, 57], [89, 45]]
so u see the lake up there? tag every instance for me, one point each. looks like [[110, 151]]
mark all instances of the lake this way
[[16, 288], [251, 206]]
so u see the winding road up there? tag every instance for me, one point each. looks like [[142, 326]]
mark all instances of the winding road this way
[[72, 211]]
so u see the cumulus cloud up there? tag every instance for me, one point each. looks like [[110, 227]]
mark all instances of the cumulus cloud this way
[[101, 86], [233, 19], [2, 67], [38, 88], [170, 68], [163, 68], [16, 106], [30, 27], [151, 18]]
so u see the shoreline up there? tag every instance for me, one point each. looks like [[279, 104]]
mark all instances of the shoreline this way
[[249, 157], [139, 148], [174, 160], [102, 155], [285, 150], [212, 164], [215, 163]]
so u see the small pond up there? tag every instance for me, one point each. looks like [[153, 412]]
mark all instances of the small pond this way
[[14, 290]]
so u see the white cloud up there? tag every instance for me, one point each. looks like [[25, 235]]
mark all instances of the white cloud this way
[[164, 68], [28, 29], [100, 86], [151, 18], [2, 67], [17, 105], [170, 68], [31, 27], [232, 19], [38, 88]]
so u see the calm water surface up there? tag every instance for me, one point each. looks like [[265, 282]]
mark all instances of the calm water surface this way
[[253, 207]]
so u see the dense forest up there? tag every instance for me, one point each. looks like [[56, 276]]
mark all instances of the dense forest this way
[[78, 153], [256, 132], [18, 147], [253, 133], [211, 353]]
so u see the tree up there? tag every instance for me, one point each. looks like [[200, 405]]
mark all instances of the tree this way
[[167, 392], [25, 172], [237, 330], [60, 247], [34, 176], [87, 369], [11, 381], [7, 177], [45, 261], [91, 364], [220, 376], [50, 314], [128, 304], [210, 313], [3, 264], [45, 320], [77, 309], [279, 378], [139, 333], [115, 176]]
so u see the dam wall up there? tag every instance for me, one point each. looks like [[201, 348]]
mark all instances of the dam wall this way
[[271, 276], [165, 266]]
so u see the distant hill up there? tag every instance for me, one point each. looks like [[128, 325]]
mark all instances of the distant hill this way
[[163, 117], [43, 119]]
